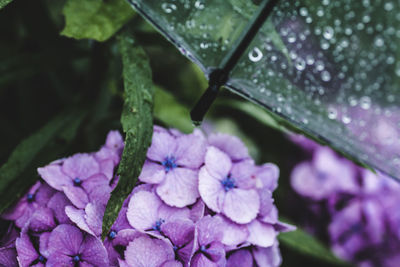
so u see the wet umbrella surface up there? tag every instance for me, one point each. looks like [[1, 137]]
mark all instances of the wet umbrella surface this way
[[332, 68]]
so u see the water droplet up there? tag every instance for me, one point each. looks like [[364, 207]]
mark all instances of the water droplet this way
[[291, 37], [255, 55], [365, 102], [168, 7], [346, 119], [328, 33], [326, 76], [303, 11], [310, 59], [199, 4], [397, 71], [379, 42], [300, 64], [332, 113], [388, 6], [203, 45], [353, 101]]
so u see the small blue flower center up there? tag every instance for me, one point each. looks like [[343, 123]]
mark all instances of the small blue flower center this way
[[77, 181], [203, 248], [169, 163], [30, 197], [228, 183], [112, 234], [157, 225], [175, 248], [41, 259], [76, 258]]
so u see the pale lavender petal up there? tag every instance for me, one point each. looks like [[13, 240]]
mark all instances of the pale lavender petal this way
[[190, 151], [97, 189], [107, 168], [152, 173], [211, 190], [284, 227], [26, 251], [268, 175], [267, 257], [58, 203], [122, 263], [215, 256], [171, 213], [53, 176], [43, 194], [65, 240], [266, 202], [233, 234], [179, 188], [23, 220], [209, 229], [218, 164], [124, 237], [163, 145], [76, 195], [172, 263], [261, 234], [144, 251], [121, 222], [16, 211], [80, 166], [240, 258], [44, 244], [229, 144], [114, 140], [197, 210], [94, 217], [42, 220], [241, 206], [271, 217], [143, 210], [77, 216], [57, 260], [106, 153], [200, 260], [242, 173], [93, 251]]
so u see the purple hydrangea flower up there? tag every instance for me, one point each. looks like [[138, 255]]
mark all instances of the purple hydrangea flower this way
[[28, 253], [263, 257], [209, 250], [37, 196], [325, 175], [89, 220], [172, 165], [80, 178], [146, 212], [57, 204], [68, 246], [231, 145], [145, 251], [8, 253], [228, 188]]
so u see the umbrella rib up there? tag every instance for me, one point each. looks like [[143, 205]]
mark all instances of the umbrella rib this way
[[220, 76]]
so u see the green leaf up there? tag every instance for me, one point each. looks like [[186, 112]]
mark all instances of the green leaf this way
[[137, 123], [95, 19], [3, 3], [168, 110], [19, 172], [306, 244]]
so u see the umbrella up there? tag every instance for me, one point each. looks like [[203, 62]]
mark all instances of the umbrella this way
[[331, 68]]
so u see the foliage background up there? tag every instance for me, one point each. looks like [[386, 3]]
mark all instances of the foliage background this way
[[60, 95]]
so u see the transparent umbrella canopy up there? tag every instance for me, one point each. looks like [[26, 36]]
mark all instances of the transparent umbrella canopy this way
[[331, 68]]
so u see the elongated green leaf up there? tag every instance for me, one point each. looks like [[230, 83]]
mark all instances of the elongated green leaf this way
[[137, 123], [3, 3], [95, 19], [18, 173], [305, 243]]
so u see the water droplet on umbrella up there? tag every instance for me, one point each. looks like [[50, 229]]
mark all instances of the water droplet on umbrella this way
[[300, 64], [255, 55], [199, 4], [346, 119], [168, 7], [328, 33], [326, 76], [365, 102], [332, 113]]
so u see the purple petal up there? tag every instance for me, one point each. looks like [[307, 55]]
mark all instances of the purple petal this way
[[42, 220], [267, 257], [57, 204], [172, 263], [43, 194], [93, 251], [76, 195], [143, 210], [179, 188], [209, 229], [229, 144], [190, 150], [271, 217], [122, 263], [8, 257], [107, 168], [171, 213], [180, 232], [80, 166], [77, 216], [144, 251], [26, 252], [241, 206], [261, 234], [215, 256], [114, 140], [121, 222], [211, 190], [243, 172], [94, 217], [65, 240], [268, 175], [152, 173], [44, 244], [266, 202], [124, 237], [197, 210], [240, 258], [233, 234], [163, 145], [218, 164], [97, 188], [57, 260], [53, 176]]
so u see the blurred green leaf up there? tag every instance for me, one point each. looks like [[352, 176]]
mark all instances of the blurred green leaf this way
[[306, 244], [137, 123], [3, 3], [169, 111], [95, 19], [21, 166]]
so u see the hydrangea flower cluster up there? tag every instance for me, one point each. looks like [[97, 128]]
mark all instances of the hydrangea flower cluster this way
[[364, 218], [200, 202]]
